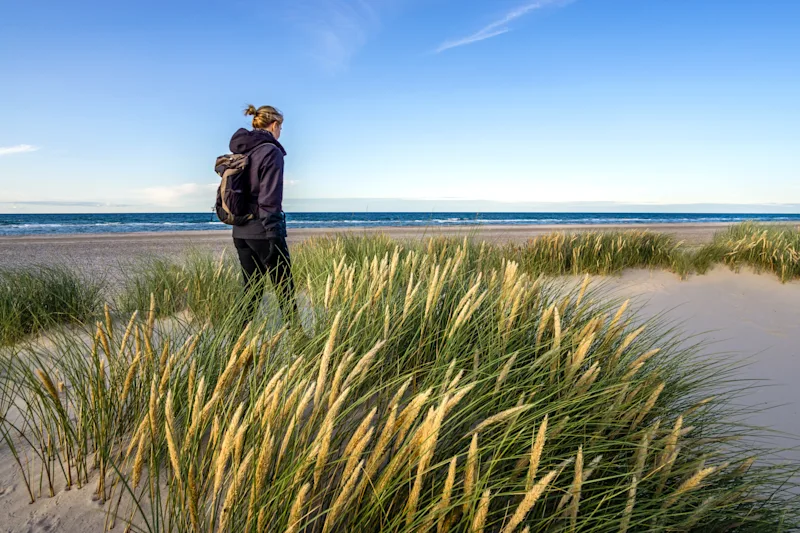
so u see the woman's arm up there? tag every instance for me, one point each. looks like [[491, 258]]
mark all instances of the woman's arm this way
[[270, 189]]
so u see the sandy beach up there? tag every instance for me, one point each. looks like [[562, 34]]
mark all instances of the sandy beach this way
[[743, 315], [542, 270], [99, 252]]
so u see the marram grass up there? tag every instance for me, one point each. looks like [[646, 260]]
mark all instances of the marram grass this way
[[763, 247], [767, 248], [206, 285], [440, 389], [591, 252], [36, 298]]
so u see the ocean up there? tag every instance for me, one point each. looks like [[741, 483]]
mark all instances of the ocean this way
[[11, 225]]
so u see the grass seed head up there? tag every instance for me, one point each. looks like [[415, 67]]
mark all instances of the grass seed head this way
[[444, 502], [295, 513], [382, 444], [44, 377], [323, 439], [410, 413], [479, 521], [499, 417], [233, 492], [528, 501], [556, 329], [325, 360], [342, 498], [363, 364], [152, 405], [690, 484], [138, 461], [648, 406], [505, 371], [170, 433], [575, 490], [536, 453], [471, 471], [127, 334]]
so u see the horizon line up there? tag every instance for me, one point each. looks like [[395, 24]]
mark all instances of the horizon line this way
[[434, 211]]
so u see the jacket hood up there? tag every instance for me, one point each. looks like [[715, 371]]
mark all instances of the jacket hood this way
[[245, 140]]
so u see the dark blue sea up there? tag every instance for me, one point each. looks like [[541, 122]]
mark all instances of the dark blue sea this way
[[154, 222]]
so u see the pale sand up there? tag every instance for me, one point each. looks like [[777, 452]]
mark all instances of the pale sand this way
[[746, 315]]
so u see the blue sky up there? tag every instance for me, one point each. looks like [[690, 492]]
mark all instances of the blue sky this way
[[123, 106]]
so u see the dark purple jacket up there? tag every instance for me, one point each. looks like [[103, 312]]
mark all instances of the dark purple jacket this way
[[266, 183]]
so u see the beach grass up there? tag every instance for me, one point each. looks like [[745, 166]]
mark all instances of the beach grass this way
[[439, 387], [560, 253], [204, 284], [764, 248], [207, 286], [34, 299]]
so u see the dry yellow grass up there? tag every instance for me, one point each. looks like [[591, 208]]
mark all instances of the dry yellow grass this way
[[528, 501], [295, 513], [690, 484], [479, 522], [536, 453], [471, 470], [363, 424], [499, 417]]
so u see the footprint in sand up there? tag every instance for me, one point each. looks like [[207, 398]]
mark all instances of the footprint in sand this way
[[42, 524]]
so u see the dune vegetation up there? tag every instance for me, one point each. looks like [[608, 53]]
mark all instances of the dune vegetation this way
[[436, 386], [764, 248], [34, 299]]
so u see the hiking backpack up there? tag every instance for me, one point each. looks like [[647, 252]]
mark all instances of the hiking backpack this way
[[233, 194]]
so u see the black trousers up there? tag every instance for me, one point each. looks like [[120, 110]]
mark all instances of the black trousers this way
[[262, 257]]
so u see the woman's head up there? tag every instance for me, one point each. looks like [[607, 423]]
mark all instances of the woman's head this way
[[266, 117]]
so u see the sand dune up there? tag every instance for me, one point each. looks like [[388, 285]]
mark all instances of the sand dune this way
[[745, 315]]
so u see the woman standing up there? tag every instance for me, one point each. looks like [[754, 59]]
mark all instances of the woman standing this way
[[261, 242]]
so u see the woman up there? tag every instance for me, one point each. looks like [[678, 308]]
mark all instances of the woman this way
[[261, 242]]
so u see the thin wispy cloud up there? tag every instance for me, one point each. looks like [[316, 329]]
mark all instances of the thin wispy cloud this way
[[18, 149], [338, 29], [500, 26], [179, 195], [58, 203]]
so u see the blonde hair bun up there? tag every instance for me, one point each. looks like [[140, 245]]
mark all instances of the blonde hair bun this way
[[264, 116]]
